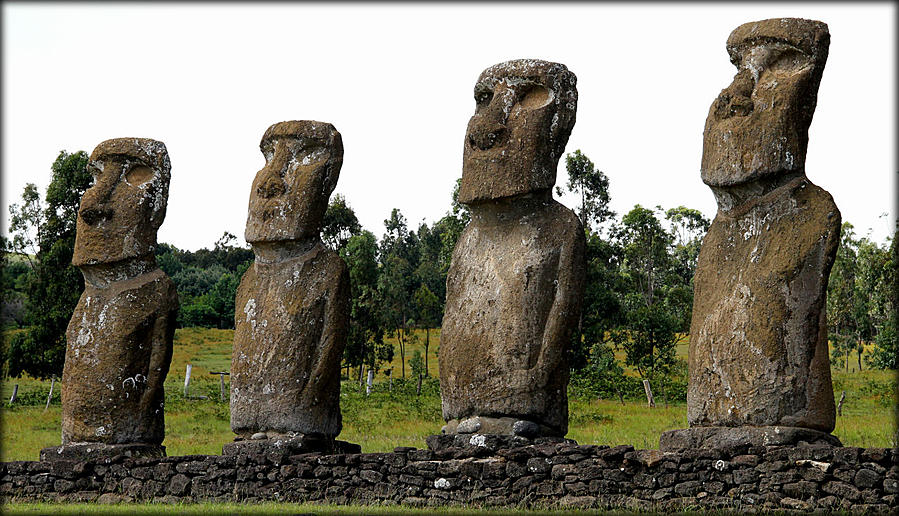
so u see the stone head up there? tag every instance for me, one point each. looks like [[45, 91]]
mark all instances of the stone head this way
[[758, 126], [524, 113], [120, 214], [290, 194]]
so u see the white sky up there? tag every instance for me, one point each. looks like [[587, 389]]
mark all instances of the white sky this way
[[396, 80]]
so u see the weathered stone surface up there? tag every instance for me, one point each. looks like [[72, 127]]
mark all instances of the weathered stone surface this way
[[758, 348], [734, 437], [292, 305], [547, 472], [515, 283], [290, 445], [93, 451], [758, 126], [525, 112], [120, 335]]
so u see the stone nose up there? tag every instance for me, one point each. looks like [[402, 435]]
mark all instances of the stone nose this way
[[736, 99], [489, 126], [271, 185], [272, 182], [485, 135], [96, 215], [94, 206]]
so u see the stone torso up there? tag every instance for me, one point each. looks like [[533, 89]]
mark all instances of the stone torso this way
[[290, 331], [758, 349], [119, 349], [513, 294]]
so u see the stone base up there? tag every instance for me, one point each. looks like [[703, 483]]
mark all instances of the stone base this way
[[489, 442], [730, 437], [291, 445], [511, 426], [100, 452]]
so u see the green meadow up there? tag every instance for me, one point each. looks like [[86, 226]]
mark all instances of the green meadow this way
[[394, 415]]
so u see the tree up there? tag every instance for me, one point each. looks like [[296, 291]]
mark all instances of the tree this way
[[365, 339], [55, 284], [592, 185], [428, 307], [399, 252], [24, 221], [841, 298], [339, 224], [885, 354], [601, 312], [649, 334], [688, 227]]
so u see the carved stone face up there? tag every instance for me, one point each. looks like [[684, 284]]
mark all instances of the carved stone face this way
[[120, 214], [290, 194], [524, 115], [758, 126]]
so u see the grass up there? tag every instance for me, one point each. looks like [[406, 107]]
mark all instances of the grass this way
[[397, 417]]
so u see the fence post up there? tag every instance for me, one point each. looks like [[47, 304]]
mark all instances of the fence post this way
[[221, 382], [840, 405], [187, 380], [15, 394], [368, 381], [649, 398], [50, 396]]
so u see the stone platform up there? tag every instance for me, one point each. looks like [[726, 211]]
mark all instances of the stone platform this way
[[731, 437], [98, 452], [489, 442], [289, 445]]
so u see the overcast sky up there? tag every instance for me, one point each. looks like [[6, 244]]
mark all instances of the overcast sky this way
[[396, 80]]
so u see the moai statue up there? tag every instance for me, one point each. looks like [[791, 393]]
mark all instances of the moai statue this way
[[759, 368], [292, 306], [120, 336], [515, 284]]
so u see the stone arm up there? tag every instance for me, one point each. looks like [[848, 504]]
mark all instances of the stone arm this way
[[335, 327], [160, 339], [566, 308]]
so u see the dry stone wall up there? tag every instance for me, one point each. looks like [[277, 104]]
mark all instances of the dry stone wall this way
[[803, 477]]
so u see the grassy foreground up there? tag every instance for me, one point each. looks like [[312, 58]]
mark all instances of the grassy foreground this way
[[393, 415]]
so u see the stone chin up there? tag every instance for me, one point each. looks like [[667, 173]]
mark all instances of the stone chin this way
[[96, 245], [738, 150], [486, 178]]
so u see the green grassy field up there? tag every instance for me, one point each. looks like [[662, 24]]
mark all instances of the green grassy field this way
[[396, 416]]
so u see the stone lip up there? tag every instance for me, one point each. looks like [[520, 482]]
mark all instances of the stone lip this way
[[291, 445], [488, 442], [721, 437], [100, 452]]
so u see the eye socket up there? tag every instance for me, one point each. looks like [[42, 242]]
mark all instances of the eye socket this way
[[483, 94], [139, 174], [789, 61], [94, 170], [535, 97]]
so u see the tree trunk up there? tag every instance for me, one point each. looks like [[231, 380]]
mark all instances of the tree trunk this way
[[427, 343], [859, 349]]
